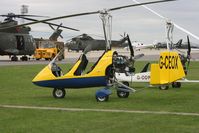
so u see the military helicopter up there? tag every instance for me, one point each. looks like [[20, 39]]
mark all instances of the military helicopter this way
[[100, 74], [17, 40], [86, 43]]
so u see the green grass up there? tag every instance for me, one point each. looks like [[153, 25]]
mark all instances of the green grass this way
[[16, 88]]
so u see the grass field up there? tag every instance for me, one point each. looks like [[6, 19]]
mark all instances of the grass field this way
[[16, 89]]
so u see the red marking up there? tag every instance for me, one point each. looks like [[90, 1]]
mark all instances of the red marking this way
[[17, 29]]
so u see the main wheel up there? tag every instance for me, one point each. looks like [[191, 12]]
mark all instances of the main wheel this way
[[14, 58], [176, 84], [164, 87], [123, 94], [59, 93], [102, 98]]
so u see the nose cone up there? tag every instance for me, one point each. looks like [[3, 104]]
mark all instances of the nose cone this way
[[44, 75]]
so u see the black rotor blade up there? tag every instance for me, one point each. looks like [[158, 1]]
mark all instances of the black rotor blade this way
[[189, 47], [61, 36], [51, 27], [88, 13], [188, 52], [145, 3], [49, 23], [59, 26], [20, 15], [130, 46]]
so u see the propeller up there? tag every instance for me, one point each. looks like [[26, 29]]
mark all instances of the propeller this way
[[90, 13], [130, 47], [188, 52]]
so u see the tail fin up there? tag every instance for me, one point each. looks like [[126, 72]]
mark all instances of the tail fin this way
[[55, 35], [145, 68], [168, 70]]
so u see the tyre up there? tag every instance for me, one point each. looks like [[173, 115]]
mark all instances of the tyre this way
[[164, 87], [123, 94], [176, 84], [102, 98], [59, 93]]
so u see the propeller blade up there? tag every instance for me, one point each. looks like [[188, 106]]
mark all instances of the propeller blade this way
[[189, 47], [49, 23], [88, 13], [188, 52], [130, 46]]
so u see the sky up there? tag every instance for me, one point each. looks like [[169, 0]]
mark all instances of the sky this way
[[138, 22]]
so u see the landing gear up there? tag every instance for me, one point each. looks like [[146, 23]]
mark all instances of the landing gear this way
[[59, 93], [164, 87], [102, 98], [122, 93], [14, 58], [102, 95], [176, 84], [24, 58]]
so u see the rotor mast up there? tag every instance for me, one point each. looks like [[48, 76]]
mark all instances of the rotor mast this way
[[169, 34], [107, 27], [24, 10]]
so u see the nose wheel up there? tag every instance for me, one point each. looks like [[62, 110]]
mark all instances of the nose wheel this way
[[102, 95], [59, 93]]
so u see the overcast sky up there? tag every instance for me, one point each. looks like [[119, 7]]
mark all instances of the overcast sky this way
[[138, 22]]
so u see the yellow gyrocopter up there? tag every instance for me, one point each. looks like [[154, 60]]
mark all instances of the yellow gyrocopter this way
[[102, 72]]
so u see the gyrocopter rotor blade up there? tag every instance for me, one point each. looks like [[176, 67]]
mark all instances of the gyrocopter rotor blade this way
[[176, 25], [90, 13]]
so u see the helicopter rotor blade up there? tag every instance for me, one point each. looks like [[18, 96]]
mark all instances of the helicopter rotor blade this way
[[20, 15], [59, 26], [61, 36], [89, 13], [51, 27], [49, 23]]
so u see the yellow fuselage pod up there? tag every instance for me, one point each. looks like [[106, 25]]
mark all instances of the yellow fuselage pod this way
[[96, 77], [168, 70]]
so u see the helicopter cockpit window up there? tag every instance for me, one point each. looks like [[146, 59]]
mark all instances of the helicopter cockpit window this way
[[20, 42]]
